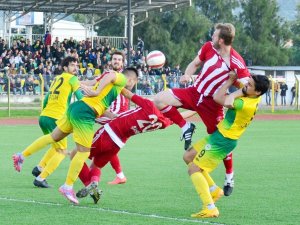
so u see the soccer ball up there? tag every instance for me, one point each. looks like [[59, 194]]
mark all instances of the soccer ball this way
[[156, 59]]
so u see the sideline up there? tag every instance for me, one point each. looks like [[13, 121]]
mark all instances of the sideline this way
[[112, 211]]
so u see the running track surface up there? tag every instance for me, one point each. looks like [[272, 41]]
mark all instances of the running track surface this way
[[32, 121]]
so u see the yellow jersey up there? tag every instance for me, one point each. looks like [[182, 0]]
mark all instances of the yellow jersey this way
[[237, 119], [110, 92], [59, 96]]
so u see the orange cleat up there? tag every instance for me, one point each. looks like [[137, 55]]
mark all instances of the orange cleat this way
[[118, 180]]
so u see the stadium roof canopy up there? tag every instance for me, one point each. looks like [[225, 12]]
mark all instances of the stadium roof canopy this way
[[102, 8]]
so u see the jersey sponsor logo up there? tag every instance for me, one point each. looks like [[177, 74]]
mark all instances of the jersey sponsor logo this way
[[207, 147]]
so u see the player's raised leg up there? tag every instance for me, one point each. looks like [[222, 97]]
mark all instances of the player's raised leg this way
[[166, 102]]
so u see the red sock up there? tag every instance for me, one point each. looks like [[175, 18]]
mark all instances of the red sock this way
[[95, 173], [172, 113], [84, 175], [115, 164], [228, 163]]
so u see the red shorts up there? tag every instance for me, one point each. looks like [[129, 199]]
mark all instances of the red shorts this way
[[103, 148], [210, 112]]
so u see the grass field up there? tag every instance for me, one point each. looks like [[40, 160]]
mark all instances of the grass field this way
[[159, 191]]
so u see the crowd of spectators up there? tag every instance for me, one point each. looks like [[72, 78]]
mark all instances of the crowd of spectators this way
[[24, 62]]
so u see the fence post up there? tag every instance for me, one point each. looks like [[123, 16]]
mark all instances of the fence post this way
[[297, 93], [164, 78], [42, 90], [8, 93], [272, 93]]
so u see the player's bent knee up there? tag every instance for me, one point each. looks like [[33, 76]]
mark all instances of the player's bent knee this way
[[189, 155]]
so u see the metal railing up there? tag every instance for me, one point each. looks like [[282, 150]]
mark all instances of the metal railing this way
[[115, 42]]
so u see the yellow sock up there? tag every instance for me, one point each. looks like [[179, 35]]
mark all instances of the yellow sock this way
[[52, 164], [48, 155], [202, 188], [76, 166], [37, 145], [208, 178]]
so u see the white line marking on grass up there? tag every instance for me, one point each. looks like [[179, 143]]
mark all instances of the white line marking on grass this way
[[113, 211]]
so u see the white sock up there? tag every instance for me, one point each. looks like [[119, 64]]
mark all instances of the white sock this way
[[211, 206], [39, 178], [68, 187], [229, 176], [212, 188], [185, 127], [40, 168], [121, 175]]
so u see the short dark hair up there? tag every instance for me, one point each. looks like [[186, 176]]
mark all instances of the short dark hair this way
[[131, 69], [262, 83], [66, 61]]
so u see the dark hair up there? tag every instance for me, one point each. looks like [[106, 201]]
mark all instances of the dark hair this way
[[66, 61], [131, 69], [262, 83]]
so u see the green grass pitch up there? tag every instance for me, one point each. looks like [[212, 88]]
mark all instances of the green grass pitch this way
[[158, 190]]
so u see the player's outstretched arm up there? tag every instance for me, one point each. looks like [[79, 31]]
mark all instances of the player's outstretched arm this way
[[88, 82], [220, 96], [126, 93], [190, 70], [109, 78]]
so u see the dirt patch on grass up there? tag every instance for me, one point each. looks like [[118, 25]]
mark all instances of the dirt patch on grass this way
[[19, 121]]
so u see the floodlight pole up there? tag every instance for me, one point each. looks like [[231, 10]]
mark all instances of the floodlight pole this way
[[128, 31]]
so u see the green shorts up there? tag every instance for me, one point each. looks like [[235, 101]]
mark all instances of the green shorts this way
[[79, 120], [212, 150], [48, 124]]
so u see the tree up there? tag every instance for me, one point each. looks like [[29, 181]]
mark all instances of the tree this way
[[178, 34], [217, 11], [295, 27], [265, 33]]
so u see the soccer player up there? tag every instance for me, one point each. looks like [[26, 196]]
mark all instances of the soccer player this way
[[80, 120], [205, 155], [109, 139], [120, 105], [55, 105], [216, 59], [145, 118]]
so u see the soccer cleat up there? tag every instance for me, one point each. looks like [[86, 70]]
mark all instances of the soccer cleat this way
[[82, 193], [118, 180], [228, 187], [217, 194], [207, 213], [68, 194], [35, 171], [96, 195], [187, 136], [18, 160], [42, 184]]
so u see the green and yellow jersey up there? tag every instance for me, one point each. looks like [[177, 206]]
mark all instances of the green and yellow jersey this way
[[236, 120], [101, 102], [59, 96]]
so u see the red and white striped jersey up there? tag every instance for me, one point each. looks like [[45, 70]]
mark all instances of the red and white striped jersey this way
[[215, 71], [120, 105]]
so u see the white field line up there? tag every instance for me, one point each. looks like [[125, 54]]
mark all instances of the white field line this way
[[112, 211]]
